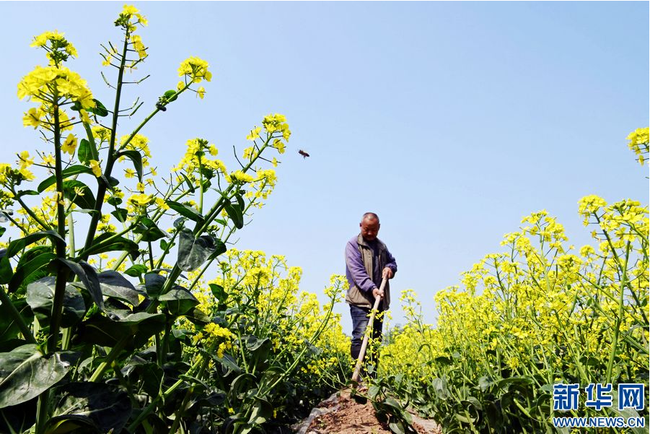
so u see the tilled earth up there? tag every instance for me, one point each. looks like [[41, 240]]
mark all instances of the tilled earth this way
[[341, 414]]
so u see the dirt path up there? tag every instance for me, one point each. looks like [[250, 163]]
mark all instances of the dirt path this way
[[340, 414]]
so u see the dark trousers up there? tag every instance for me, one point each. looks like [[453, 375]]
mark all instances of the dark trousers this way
[[360, 319]]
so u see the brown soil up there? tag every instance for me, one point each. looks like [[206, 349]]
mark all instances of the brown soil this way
[[341, 414]]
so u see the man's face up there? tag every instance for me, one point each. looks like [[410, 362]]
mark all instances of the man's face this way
[[369, 229]]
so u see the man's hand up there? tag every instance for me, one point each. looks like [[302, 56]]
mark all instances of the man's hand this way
[[377, 293], [387, 273]]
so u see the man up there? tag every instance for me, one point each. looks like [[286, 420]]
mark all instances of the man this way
[[367, 261]]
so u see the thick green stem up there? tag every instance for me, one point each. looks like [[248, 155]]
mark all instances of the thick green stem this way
[[42, 411], [619, 317], [115, 351], [60, 247], [71, 247], [61, 278], [101, 190]]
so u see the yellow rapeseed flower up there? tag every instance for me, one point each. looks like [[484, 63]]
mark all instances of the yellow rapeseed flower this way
[[69, 145], [95, 167]]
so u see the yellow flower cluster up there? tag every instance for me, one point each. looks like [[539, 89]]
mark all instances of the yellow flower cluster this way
[[239, 176], [140, 199], [537, 310], [211, 335], [43, 84], [129, 18], [196, 158], [195, 70], [277, 122], [639, 143], [58, 48], [290, 317]]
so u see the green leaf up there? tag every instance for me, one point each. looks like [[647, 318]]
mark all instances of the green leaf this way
[[240, 201], [120, 214], [70, 424], [149, 231], [198, 317], [154, 283], [27, 272], [262, 411], [242, 384], [25, 373], [88, 277], [515, 380], [135, 157], [114, 200], [150, 374], [218, 291], [440, 388], [17, 245], [373, 391], [109, 182], [219, 248], [136, 270], [6, 272], [40, 297], [104, 331], [21, 193], [397, 427], [66, 173], [8, 327], [87, 151], [105, 407], [99, 109], [259, 349], [179, 300], [228, 363], [115, 285], [33, 253], [85, 200], [186, 211], [235, 213], [190, 186], [109, 242], [253, 343], [192, 252]]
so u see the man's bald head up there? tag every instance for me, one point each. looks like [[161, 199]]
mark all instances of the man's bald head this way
[[369, 226], [370, 216]]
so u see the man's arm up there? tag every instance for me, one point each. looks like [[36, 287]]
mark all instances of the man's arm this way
[[391, 264], [357, 271]]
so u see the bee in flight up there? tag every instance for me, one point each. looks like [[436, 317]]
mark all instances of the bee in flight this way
[[303, 153]]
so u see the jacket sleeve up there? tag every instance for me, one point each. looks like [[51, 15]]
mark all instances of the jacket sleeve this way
[[390, 262], [354, 263]]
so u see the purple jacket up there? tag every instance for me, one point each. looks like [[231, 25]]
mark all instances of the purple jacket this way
[[360, 282]]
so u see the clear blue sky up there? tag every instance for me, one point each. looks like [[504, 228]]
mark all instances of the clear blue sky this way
[[450, 120]]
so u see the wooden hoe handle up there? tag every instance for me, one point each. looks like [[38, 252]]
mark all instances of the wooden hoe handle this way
[[362, 352]]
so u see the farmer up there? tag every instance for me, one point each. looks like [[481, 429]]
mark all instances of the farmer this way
[[367, 261]]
